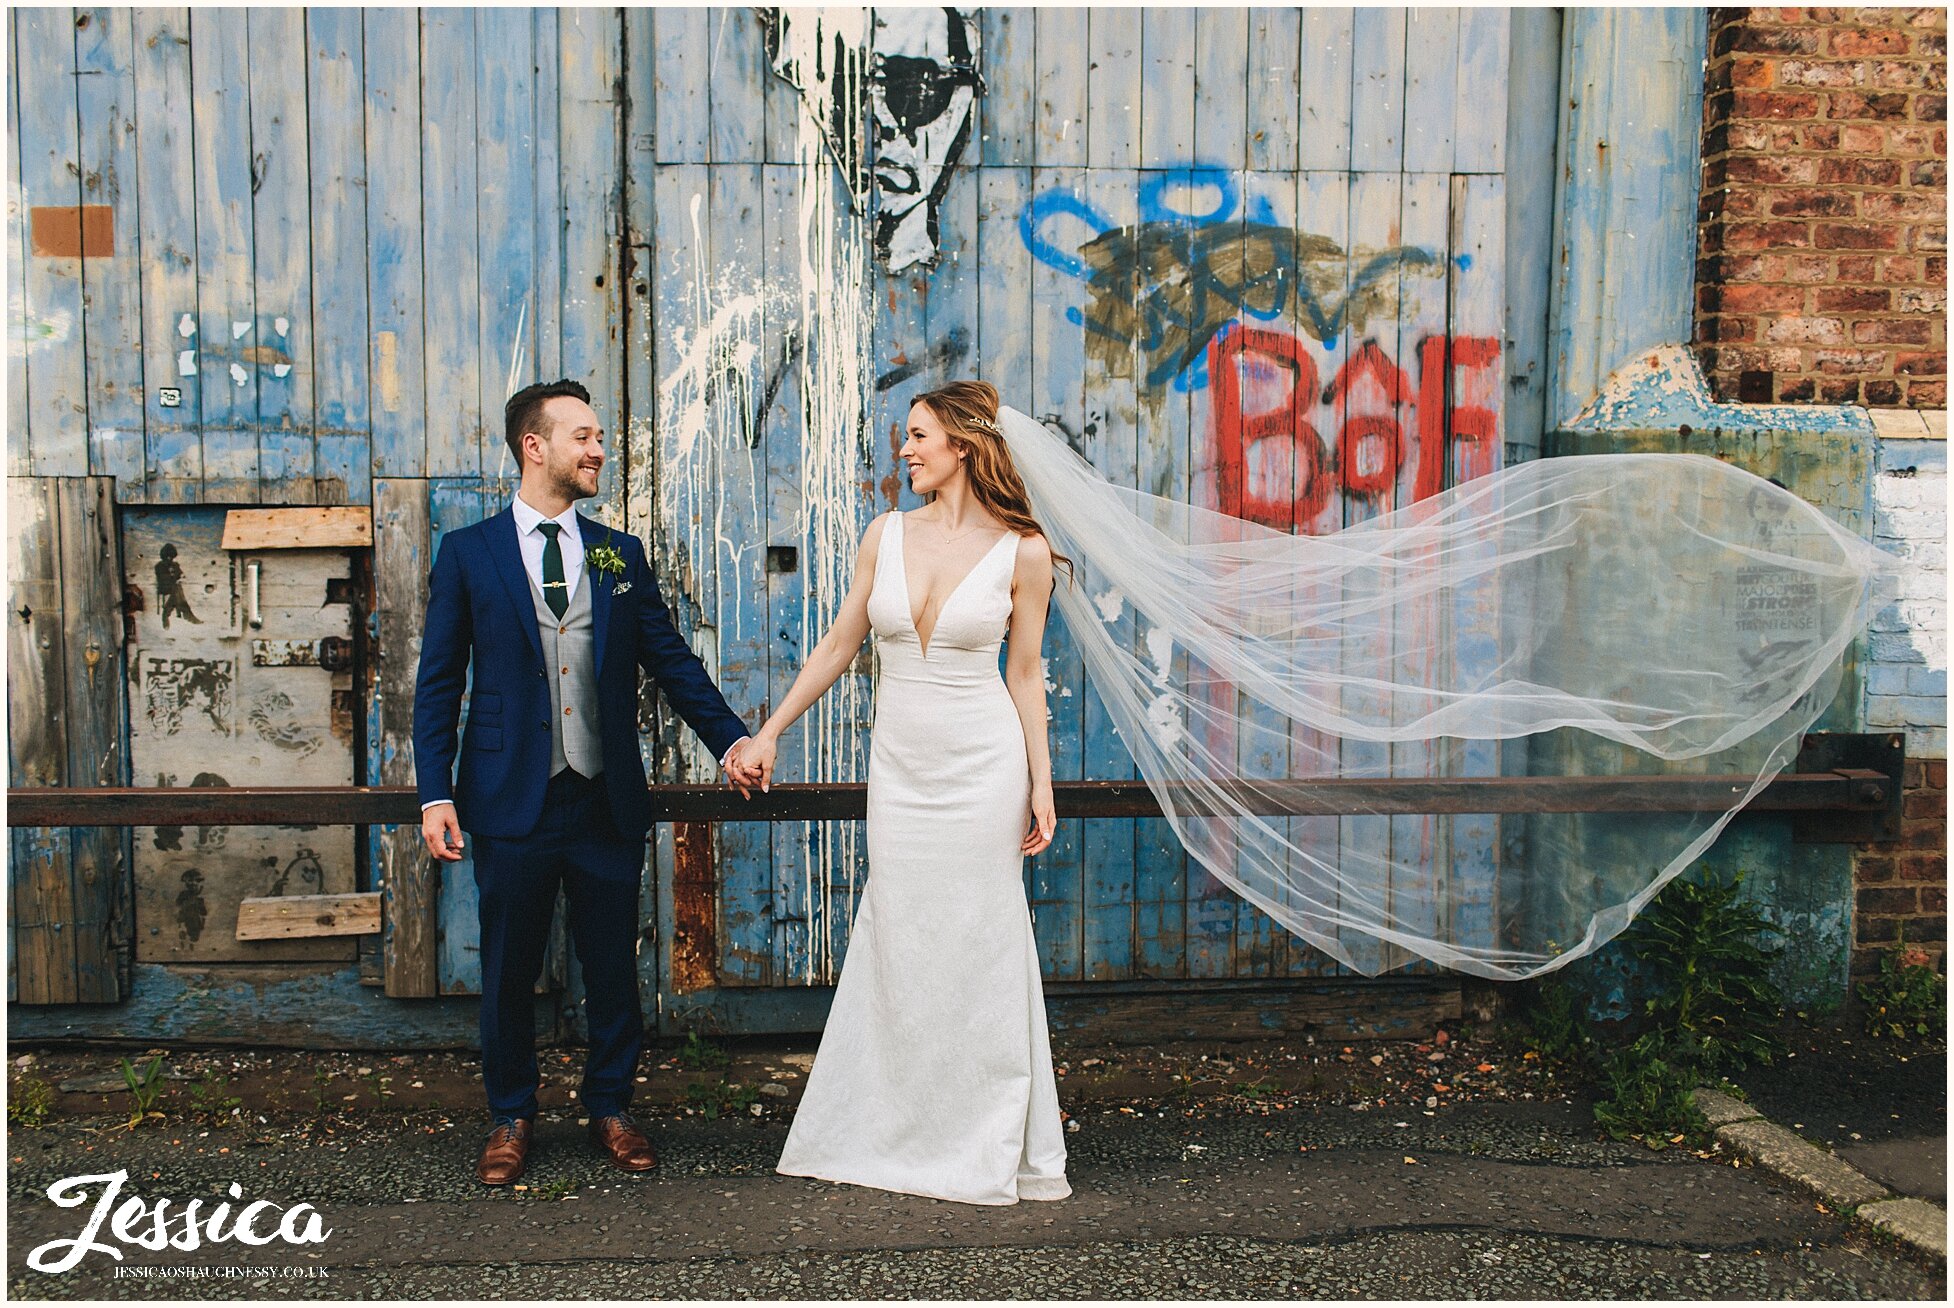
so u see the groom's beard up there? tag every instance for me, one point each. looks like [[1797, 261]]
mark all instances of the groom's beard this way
[[565, 482]]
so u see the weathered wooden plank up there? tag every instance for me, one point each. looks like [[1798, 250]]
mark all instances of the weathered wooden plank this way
[[1167, 95], [1431, 89], [1323, 212], [737, 83], [335, 73], [51, 191], [507, 214], [105, 94], [406, 877], [40, 858], [1375, 208], [1113, 68], [547, 306], [1163, 461], [1274, 104], [1478, 133], [1004, 111], [281, 203], [1262, 386], [1221, 126], [1474, 394], [394, 211], [1377, 44], [738, 215], [589, 57], [451, 208], [93, 713], [220, 96], [457, 944], [781, 102], [1054, 385], [643, 350], [1111, 444], [19, 449], [290, 917], [347, 526], [682, 105], [166, 223], [1325, 77], [791, 849], [1059, 111], [1527, 160], [1419, 843], [290, 1005]]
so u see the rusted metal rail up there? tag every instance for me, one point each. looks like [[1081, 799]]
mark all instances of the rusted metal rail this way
[[1847, 788], [1850, 789]]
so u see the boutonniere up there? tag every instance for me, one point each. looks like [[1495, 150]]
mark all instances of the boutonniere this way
[[605, 558]]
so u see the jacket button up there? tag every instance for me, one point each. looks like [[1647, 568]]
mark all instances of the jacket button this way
[[566, 713]]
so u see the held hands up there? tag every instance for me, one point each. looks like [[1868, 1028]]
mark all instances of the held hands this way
[[1044, 820], [441, 830], [752, 762]]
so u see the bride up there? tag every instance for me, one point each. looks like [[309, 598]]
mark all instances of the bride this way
[[934, 1072]]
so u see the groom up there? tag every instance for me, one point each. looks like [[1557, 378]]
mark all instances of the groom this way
[[557, 613]]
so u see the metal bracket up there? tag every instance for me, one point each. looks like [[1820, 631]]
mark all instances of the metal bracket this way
[[1879, 760]]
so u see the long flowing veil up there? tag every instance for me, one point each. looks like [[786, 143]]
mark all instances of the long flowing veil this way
[[1613, 615]]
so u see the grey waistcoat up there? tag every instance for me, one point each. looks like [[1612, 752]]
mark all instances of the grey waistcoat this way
[[570, 651]]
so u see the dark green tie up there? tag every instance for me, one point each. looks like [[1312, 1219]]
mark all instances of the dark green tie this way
[[555, 592]]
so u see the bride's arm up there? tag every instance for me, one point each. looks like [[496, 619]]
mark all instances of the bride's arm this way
[[824, 665], [1024, 675]]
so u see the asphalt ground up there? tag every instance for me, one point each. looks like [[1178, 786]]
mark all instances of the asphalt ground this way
[[1198, 1172]]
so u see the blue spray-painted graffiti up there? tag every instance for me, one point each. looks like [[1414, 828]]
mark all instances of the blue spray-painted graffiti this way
[[1173, 281]]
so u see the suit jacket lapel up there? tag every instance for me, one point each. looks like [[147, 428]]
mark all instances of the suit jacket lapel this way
[[507, 553], [595, 533]]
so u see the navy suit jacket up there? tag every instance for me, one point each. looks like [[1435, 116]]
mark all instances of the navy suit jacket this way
[[480, 605]]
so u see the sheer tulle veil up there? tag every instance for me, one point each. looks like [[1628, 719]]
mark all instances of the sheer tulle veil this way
[[1607, 614]]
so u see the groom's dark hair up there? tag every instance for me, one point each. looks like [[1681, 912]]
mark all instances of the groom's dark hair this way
[[524, 411]]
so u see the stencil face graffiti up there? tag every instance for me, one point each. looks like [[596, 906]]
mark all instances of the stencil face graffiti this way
[[905, 93], [172, 687]]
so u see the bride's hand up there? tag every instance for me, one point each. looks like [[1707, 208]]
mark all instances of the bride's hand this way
[[757, 759], [1044, 821]]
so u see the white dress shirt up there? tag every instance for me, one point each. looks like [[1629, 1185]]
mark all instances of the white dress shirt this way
[[570, 540]]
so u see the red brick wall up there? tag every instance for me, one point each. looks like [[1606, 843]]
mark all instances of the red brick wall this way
[[1904, 884], [1822, 236]]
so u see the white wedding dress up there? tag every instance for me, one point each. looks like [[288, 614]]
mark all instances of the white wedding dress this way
[[934, 1073]]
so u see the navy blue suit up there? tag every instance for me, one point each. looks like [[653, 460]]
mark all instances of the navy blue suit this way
[[532, 832]]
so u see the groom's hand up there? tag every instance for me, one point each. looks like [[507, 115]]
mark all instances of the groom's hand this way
[[441, 829]]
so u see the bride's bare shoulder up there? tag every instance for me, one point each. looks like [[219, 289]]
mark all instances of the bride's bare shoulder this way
[[873, 536], [1034, 553]]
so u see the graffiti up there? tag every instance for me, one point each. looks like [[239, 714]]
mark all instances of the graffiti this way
[[169, 589], [287, 732], [909, 76], [170, 839], [1169, 284], [305, 869], [1370, 400], [191, 910], [173, 686], [944, 355]]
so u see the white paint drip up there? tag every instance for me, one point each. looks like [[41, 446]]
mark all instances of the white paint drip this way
[[238, 374], [186, 326], [238, 329], [281, 325], [836, 382], [186, 363]]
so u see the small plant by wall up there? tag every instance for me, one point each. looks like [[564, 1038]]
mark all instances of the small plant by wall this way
[[1907, 1001]]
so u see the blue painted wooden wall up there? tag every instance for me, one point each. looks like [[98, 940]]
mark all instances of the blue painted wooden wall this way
[[1210, 243]]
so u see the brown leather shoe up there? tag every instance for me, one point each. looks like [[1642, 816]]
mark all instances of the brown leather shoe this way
[[505, 1153], [619, 1137]]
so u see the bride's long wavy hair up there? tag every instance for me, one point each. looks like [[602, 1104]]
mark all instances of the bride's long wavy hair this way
[[968, 412]]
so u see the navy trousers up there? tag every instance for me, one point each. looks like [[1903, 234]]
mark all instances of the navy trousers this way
[[577, 846]]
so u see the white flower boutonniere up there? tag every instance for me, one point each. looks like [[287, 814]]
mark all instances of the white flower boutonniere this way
[[606, 558]]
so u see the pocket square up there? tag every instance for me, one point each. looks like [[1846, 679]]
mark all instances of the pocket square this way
[[620, 588]]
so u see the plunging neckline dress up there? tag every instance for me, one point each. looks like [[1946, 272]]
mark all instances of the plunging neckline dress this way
[[934, 1071]]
